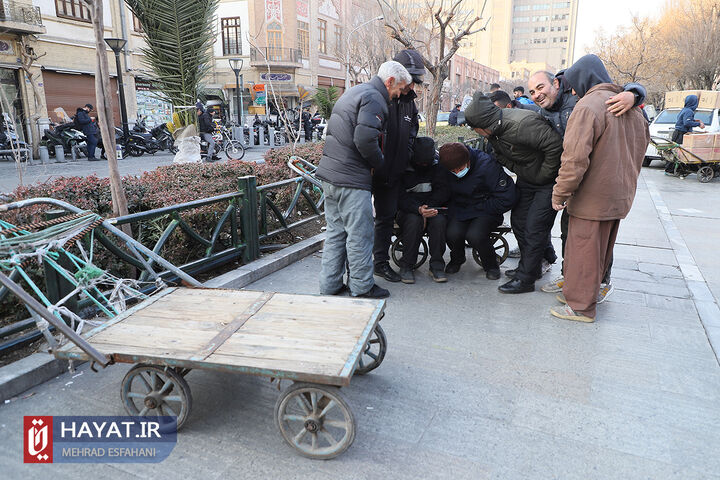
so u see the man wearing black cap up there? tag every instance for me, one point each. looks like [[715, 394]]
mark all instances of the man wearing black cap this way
[[421, 208], [89, 129], [402, 128]]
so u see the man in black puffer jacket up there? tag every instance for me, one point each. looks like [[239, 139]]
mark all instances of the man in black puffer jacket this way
[[526, 144], [353, 149], [422, 207], [480, 193], [402, 128], [85, 123]]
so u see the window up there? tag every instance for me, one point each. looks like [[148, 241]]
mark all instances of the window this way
[[303, 38], [521, 19], [274, 35], [231, 37], [74, 9], [137, 26], [322, 36], [542, 6], [519, 8], [338, 41], [561, 5]]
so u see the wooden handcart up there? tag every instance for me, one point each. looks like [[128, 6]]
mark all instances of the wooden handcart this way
[[686, 162]]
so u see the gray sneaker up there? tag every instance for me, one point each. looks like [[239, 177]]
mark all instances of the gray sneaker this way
[[545, 267], [605, 290], [407, 275]]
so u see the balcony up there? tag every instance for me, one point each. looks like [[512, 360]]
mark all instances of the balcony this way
[[18, 17], [276, 57]]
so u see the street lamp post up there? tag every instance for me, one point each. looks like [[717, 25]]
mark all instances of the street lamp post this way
[[236, 64], [117, 45], [347, 49]]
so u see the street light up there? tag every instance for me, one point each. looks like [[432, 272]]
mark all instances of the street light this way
[[236, 64], [347, 49], [117, 45]]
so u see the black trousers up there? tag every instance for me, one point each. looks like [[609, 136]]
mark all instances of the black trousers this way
[[412, 228], [564, 224], [308, 133], [532, 220], [476, 232], [386, 201], [92, 145]]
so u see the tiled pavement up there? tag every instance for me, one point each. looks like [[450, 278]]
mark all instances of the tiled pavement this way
[[477, 384]]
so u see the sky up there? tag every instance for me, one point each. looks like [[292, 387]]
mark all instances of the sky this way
[[608, 15]]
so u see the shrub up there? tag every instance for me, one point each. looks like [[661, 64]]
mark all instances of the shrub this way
[[447, 134]]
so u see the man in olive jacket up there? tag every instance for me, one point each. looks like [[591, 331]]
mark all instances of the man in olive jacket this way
[[597, 181], [526, 144]]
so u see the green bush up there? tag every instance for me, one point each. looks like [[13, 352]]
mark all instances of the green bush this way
[[448, 134]]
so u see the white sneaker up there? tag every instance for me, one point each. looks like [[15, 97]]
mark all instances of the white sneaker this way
[[555, 286], [545, 267], [605, 290]]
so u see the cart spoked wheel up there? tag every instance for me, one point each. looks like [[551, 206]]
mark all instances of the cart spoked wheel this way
[[156, 391], [374, 352], [315, 420], [501, 247], [705, 174], [396, 252]]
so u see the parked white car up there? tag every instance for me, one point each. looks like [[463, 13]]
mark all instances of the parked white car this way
[[664, 124]]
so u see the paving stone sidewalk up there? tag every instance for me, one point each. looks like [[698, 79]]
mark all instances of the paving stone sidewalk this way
[[475, 384]]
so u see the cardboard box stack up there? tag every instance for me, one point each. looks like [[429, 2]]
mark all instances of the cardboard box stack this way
[[704, 145], [709, 99], [676, 99]]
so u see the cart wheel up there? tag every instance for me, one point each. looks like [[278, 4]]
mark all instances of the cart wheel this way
[[154, 390], [705, 174], [397, 247], [374, 352], [315, 420], [501, 247]]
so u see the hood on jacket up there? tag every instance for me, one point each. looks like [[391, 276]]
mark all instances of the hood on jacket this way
[[423, 152], [483, 113], [691, 102], [586, 73]]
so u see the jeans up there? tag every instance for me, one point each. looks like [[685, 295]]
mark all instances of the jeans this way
[[412, 228], [211, 144], [477, 233], [386, 202], [349, 238], [532, 220], [92, 144]]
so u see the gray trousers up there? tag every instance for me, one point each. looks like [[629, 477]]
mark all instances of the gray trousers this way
[[211, 144], [349, 237]]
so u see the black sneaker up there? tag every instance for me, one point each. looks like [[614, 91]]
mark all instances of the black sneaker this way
[[511, 273], [516, 286], [375, 292], [385, 271], [451, 268], [438, 275], [407, 275], [492, 274]]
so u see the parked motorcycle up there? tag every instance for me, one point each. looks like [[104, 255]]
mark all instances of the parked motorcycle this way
[[10, 146], [66, 135], [164, 138]]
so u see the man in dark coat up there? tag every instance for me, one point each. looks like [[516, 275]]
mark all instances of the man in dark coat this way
[[453, 118], [526, 144], [402, 128], [307, 124], [480, 193], [89, 129], [353, 150], [423, 207]]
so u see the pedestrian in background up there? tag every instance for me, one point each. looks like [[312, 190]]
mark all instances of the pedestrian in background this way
[[206, 128], [453, 117], [307, 124], [86, 123], [596, 183], [353, 149], [684, 124]]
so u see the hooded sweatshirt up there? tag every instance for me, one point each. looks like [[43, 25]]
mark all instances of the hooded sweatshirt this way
[[602, 153], [686, 120]]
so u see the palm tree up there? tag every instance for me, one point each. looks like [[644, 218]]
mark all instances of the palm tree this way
[[325, 99], [179, 36]]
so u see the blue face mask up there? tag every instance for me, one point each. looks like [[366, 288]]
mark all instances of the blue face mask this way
[[462, 172]]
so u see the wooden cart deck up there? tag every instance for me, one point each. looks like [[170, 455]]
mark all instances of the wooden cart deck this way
[[299, 337]]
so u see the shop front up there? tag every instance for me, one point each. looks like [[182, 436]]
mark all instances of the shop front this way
[[151, 104], [66, 91]]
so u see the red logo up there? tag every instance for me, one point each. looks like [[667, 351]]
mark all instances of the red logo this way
[[37, 439]]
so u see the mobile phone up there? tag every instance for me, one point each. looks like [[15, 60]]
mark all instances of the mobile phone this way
[[437, 208]]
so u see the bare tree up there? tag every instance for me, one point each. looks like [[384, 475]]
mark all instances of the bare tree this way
[[435, 31], [369, 47], [28, 57]]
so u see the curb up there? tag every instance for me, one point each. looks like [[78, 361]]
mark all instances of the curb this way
[[37, 368]]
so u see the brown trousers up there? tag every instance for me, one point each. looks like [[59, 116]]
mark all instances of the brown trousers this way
[[587, 256]]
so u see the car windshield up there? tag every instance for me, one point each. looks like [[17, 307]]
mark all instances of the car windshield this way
[[669, 117], [443, 117]]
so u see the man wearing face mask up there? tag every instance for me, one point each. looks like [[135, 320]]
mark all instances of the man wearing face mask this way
[[422, 207], [480, 193], [402, 128]]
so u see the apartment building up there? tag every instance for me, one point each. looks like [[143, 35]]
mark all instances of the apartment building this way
[[466, 76]]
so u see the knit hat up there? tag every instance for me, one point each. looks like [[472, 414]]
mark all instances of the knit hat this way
[[413, 63], [423, 151], [454, 155], [482, 113]]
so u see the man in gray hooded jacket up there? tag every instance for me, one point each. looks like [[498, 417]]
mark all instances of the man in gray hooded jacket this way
[[353, 150]]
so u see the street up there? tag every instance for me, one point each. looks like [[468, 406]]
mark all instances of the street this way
[[477, 384], [9, 179]]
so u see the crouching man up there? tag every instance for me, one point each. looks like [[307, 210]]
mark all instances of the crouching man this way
[[422, 207], [480, 193]]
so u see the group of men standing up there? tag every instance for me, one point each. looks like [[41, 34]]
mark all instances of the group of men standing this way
[[585, 165]]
